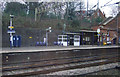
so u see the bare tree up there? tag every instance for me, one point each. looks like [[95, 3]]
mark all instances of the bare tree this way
[[114, 10], [2, 5]]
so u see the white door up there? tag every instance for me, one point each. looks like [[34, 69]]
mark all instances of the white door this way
[[65, 40], [62, 39], [76, 40]]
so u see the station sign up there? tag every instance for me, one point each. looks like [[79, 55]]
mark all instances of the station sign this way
[[98, 34], [30, 37], [98, 31], [11, 31]]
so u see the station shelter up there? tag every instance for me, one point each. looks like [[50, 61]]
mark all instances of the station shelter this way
[[83, 37]]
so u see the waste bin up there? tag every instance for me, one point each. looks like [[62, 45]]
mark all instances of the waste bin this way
[[18, 41]]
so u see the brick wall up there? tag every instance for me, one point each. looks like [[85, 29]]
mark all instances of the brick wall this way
[[112, 26]]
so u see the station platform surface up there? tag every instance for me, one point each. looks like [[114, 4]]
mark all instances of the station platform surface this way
[[52, 48]]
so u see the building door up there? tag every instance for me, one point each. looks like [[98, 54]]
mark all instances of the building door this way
[[63, 40], [76, 40], [71, 38], [119, 40], [114, 41]]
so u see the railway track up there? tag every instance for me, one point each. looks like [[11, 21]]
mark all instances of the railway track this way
[[45, 66]]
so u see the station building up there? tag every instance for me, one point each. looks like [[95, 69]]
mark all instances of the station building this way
[[83, 37], [110, 30]]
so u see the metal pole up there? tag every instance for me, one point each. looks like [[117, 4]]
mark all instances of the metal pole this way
[[46, 38], [11, 36], [10, 21], [35, 14], [28, 8], [10, 40], [47, 31], [98, 39], [98, 4], [87, 7]]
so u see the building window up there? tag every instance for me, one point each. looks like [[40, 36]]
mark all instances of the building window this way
[[98, 14], [60, 36], [87, 39], [60, 40]]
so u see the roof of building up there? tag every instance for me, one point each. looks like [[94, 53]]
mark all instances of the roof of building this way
[[87, 31], [71, 33], [107, 20]]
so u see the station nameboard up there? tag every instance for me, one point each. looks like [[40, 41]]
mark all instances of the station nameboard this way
[[11, 31], [11, 27]]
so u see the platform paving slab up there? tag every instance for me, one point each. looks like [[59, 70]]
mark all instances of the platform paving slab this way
[[52, 48]]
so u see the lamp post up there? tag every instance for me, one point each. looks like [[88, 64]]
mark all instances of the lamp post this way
[[98, 31], [11, 36], [64, 27], [47, 31]]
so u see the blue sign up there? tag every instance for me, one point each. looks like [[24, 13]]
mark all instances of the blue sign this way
[[98, 34], [11, 31], [11, 27]]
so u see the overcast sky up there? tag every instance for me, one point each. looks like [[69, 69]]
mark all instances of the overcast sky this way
[[107, 9]]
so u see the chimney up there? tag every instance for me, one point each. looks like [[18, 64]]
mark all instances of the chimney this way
[[103, 13]]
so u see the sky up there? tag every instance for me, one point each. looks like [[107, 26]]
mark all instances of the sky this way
[[107, 9]]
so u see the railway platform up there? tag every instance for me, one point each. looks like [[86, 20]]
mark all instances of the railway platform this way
[[52, 48]]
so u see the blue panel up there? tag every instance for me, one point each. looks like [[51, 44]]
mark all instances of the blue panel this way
[[14, 41], [119, 40], [18, 41]]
